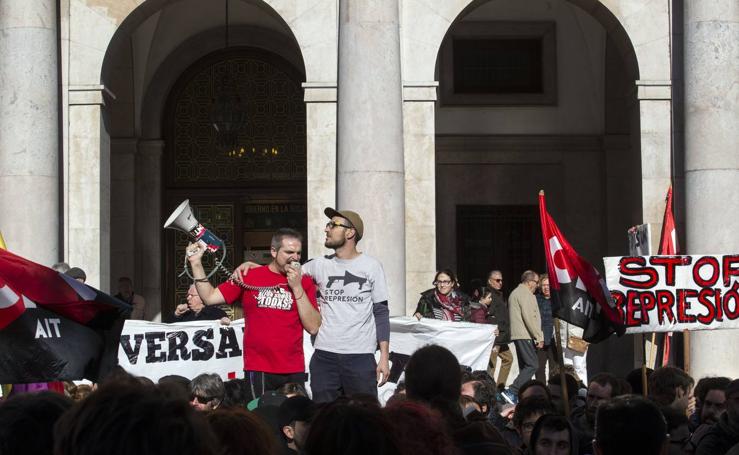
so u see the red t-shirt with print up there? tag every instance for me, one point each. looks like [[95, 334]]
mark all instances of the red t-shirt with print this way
[[273, 333]]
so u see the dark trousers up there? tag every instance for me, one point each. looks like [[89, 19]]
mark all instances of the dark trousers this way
[[332, 375], [528, 362], [548, 354], [259, 382]]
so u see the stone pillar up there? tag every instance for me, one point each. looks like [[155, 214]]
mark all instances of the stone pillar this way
[[320, 101], [370, 136], [419, 144], [711, 158], [655, 98], [149, 220], [88, 188], [29, 129], [123, 208]]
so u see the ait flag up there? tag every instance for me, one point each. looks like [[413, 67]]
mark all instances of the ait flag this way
[[668, 247], [579, 293], [53, 327]]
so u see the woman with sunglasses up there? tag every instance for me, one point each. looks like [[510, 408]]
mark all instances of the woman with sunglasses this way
[[445, 301]]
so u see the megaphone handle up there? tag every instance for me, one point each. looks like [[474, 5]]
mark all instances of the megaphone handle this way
[[218, 266]]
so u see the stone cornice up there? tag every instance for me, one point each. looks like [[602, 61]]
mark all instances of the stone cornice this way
[[88, 94]]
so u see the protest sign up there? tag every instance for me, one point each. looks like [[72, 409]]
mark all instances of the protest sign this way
[[672, 293], [187, 349]]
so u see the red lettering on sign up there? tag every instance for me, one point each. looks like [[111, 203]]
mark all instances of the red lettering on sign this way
[[664, 311], [729, 270], [703, 299], [732, 295], [710, 261], [683, 305], [635, 267], [632, 297], [670, 263]]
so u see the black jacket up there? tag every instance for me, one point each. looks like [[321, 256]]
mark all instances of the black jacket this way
[[427, 303], [498, 314], [208, 313], [719, 439]]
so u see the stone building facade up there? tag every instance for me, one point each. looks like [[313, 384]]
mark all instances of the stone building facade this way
[[106, 109]]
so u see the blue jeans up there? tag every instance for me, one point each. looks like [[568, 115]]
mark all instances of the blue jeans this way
[[333, 374]]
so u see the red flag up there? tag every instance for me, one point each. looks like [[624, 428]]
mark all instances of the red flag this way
[[25, 284], [668, 247], [579, 293]]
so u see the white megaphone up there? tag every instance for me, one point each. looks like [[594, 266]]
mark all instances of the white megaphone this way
[[183, 220]]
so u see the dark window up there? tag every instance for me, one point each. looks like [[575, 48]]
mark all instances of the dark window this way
[[507, 65]]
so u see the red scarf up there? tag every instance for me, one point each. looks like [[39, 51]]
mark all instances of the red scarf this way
[[451, 305]]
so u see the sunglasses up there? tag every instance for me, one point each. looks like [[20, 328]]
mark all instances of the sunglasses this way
[[497, 280], [333, 224], [201, 400]]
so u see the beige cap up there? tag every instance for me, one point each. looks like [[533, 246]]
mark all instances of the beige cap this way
[[353, 217]]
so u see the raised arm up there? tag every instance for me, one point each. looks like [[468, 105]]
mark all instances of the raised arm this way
[[209, 294]]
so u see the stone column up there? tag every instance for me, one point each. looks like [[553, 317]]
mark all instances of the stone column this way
[[149, 221], [29, 129], [711, 158], [419, 144], [88, 188], [320, 101], [655, 98], [370, 136]]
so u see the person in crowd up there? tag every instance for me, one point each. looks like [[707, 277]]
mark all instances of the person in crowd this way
[[528, 411], [483, 392], [236, 393], [670, 386], [724, 435], [77, 274], [634, 378], [354, 310], [678, 431], [534, 388], [418, 429], [60, 267], [125, 417], [574, 348], [553, 435], [27, 422], [498, 315], [630, 425], [125, 293], [710, 403], [433, 377], [526, 331], [196, 310], [240, 432], [445, 301], [549, 353], [555, 391], [471, 409], [294, 418], [602, 388], [279, 302], [292, 389], [342, 427], [175, 386], [206, 392]]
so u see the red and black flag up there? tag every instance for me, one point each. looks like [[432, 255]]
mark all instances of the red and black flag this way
[[579, 293], [53, 327], [668, 246]]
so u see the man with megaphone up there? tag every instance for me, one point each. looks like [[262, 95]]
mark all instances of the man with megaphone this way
[[278, 301]]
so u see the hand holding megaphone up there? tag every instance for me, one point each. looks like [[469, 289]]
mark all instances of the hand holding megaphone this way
[[195, 251]]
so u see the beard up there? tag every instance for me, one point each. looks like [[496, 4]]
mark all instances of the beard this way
[[334, 244]]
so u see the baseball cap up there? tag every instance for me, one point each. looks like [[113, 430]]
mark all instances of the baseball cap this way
[[294, 409], [352, 217]]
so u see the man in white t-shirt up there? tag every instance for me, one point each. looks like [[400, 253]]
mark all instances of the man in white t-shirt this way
[[353, 300]]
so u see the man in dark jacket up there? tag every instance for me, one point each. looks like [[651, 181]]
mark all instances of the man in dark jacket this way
[[196, 310], [498, 314], [549, 353], [725, 434]]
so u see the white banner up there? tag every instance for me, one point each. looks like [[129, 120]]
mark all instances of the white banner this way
[[675, 293], [187, 349]]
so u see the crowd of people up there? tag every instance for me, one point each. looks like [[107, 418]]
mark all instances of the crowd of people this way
[[439, 407]]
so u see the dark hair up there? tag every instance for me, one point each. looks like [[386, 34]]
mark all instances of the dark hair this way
[[631, 416], [236, 394], [27, 422], [452, 276], [673, 417], [433, 376], [240, 432], [292, 388], [664, 381], [554, 423], [419, 429], [283, 233], [484, 392], [634, 379], [127, 418], [208, 385], [535, 383], [530, 406], [605, 379], [705, 385], [341, 427], [572, 385]]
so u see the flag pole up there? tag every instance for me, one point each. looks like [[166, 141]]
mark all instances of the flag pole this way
[[644, 383], [562, 377], [686, 351]]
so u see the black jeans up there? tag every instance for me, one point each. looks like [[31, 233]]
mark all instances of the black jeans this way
[[548, 354], [333, 374], [259, 382], [528, 362]]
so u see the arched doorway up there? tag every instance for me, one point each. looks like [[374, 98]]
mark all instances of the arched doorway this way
[[243, 186]]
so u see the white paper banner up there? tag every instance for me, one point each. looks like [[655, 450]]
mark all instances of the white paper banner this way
[[675, 293], [187, 349]]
